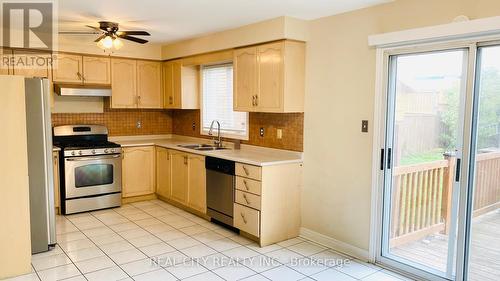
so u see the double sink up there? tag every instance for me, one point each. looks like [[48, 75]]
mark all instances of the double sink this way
[[201, 147]]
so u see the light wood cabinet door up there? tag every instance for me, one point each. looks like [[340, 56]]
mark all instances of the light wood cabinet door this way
[[96, 70], [138, 171], [68, 68], [197, 191], [163, 172], [55, 162], [123, 83], [32, 64], [168, 84], [149, 84], [179, 162], [245, 79], [270, 77]]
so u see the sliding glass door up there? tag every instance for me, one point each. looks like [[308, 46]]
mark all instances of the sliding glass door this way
[[443, 116], [424, 140], [484, 203]]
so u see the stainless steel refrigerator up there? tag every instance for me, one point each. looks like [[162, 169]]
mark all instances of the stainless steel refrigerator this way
[[40, 167]]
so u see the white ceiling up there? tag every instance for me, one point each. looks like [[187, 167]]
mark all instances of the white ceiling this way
[[173, 20]]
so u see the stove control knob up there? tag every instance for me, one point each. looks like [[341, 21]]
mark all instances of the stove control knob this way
[[106, 150], [93, 151], [112, 150], [73, 153], [80, 152]]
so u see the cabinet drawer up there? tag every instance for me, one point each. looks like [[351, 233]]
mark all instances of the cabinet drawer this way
[[248, 171], [248, 185], [247, 219], [247, 199]]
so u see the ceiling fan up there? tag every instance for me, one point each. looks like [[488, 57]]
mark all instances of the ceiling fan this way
[[109, 35]]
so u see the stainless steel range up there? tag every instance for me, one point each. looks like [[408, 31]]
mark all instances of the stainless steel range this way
[[90, 166]]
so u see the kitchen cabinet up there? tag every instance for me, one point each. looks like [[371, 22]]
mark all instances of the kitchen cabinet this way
[[180, 178], [163, 172], [197, 190], [123, 83], [32, 64], [57, 198], [5, 54], [180, 85], [270, 77], [149, 84], [96, 70], [77, 69], [138, 171], [68, 68]]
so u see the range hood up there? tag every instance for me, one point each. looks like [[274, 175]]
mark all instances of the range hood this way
[[82, 91]]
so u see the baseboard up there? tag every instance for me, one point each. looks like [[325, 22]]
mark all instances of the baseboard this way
[[138, 198], [334, 244]]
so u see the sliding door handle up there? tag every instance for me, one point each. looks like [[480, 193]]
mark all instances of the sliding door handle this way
[[382, 159], [389, 158], [457, 170]]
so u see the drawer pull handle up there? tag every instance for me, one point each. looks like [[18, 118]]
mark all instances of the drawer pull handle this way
[[246, 170], [243, 217], [246, 199], [246, 185]]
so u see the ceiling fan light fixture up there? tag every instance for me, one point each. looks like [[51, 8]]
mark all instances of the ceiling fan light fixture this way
[[117, 43], [107, 42]]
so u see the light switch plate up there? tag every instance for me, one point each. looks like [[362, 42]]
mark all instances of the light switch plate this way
[[279, 134], [261, 131], [364, 126]]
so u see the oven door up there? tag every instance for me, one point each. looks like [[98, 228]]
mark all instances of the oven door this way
[[93, 175]]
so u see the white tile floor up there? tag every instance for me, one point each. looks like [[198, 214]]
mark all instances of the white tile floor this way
[[153, 240]]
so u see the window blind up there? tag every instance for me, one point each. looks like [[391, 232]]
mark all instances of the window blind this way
[[217, 88]]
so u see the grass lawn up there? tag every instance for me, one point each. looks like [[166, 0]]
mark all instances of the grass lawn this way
[[423, 157]]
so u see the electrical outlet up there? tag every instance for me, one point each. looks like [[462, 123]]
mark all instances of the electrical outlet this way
[[138, 125], [279, 134], [364, 126], [193, 126], [261, 131]]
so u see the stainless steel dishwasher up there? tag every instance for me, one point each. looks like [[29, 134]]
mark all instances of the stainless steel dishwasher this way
[[220, 189]]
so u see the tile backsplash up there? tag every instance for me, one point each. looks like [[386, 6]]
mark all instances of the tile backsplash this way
[[291, 124], [121, 122]]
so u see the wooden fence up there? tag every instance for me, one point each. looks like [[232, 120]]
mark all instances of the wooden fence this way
[[421, 197]]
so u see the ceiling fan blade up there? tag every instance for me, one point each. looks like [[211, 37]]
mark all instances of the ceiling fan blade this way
[[93, 27], [134, 39], [100, 37], [79, 32], [143, 33]]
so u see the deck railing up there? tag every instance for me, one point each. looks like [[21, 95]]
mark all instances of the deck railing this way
[[421, 197]]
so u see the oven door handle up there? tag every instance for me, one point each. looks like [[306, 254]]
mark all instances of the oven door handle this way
[[93, 158]]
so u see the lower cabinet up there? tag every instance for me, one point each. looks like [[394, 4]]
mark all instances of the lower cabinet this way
[[163, 172], [181, 177], [138, 171], [196, 189]]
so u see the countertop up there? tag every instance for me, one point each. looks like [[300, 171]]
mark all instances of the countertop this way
[[248, 154], [55, 148]]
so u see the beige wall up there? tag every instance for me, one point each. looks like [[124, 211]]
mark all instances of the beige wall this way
[[274, 29], [340, 86]]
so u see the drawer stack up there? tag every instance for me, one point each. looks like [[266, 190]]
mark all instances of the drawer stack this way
[[247, 200]]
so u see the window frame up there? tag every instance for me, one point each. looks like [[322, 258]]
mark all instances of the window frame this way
[[223, 134]]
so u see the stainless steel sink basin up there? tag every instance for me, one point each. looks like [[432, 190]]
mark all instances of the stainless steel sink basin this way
[[201, 147]]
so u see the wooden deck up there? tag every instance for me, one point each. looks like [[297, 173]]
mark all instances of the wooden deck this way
[[485, 251]]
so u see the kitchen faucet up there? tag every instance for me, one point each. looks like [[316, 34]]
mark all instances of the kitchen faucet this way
[[218, 142]]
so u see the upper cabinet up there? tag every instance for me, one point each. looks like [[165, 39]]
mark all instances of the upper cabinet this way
[[149, 84], [180, 85], [270, 77], [76, 69], [68, 68], [32, 64], [135, 84], [96, 70]]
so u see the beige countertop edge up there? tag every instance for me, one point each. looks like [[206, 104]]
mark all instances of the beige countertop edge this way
[[56, 148], [248, 154]]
